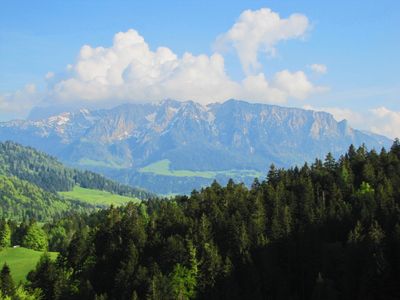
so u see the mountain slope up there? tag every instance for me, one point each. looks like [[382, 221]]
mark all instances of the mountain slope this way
[[20, 200], [49, 174], [223, 139], [35, 185]]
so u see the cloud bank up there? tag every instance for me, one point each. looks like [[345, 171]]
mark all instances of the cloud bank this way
[[130, 71]]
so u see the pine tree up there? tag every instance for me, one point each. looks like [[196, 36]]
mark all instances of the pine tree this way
[[46, 277], [330, 162], [395, 149], [7, 287]]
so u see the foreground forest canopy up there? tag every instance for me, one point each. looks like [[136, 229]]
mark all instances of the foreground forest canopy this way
[[330, 230]]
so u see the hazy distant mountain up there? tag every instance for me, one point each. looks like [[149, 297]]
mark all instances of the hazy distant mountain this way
[[176, 146]]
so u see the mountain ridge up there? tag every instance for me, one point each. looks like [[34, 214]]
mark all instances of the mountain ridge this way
[[233, 135]]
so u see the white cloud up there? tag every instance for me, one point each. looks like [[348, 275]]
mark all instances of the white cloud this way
[[386, 122], [319, 68], [130, 71], [261, 30], [257, 88], [295, 85]]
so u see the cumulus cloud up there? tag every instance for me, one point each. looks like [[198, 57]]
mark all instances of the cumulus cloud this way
[[130, 71], [319, 68], [260, 30], [296, 85], [257, 88]]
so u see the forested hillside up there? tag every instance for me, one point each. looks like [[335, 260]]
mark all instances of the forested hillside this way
[[330, 230], [19, 199], [46, 172], [30, 182]]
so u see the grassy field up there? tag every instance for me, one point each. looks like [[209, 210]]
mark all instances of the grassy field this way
[[162, 167], [95, 163], [21, 261], [97, 197]]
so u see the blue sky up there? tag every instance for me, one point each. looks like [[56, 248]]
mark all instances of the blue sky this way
[[357, 41]]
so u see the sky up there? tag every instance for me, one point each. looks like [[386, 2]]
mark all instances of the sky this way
[[337, 56]]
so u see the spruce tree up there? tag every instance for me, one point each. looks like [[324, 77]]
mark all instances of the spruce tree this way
[[7, 287]]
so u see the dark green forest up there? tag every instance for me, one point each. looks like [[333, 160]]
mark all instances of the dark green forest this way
[[329, 230]]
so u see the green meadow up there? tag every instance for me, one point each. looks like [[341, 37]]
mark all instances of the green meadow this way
[[162, 167], [103, 164], [97, 197], [21, 261]]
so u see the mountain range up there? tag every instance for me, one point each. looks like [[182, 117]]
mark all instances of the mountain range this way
[[174, 147]]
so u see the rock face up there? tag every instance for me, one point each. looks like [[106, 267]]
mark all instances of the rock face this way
[[234, 135]]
